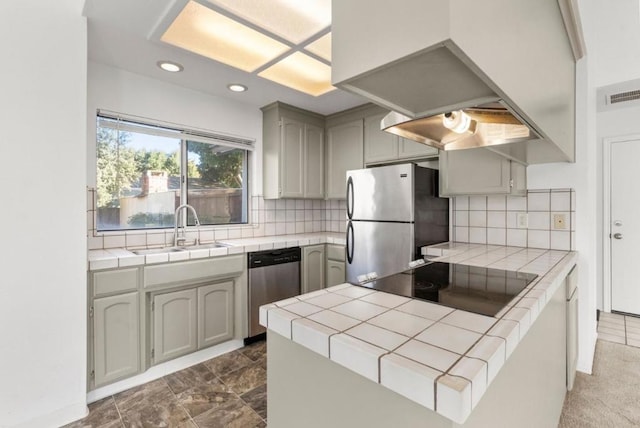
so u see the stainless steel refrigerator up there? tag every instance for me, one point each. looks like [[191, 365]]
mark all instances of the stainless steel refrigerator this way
[[392, 211]]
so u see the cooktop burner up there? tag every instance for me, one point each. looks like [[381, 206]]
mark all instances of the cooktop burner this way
[[475, 289]]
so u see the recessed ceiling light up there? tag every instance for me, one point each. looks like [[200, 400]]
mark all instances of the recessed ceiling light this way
[[236, 87], [172, 67]]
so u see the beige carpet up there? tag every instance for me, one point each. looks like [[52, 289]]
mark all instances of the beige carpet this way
[[610, 397]]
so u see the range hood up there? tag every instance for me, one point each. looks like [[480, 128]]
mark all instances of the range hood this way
[[486, 125], [504, 66]]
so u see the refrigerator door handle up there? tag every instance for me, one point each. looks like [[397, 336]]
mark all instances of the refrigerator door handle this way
[[350, 242], [350, 198]]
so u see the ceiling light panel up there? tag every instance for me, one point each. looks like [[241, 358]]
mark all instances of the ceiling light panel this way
[[293, 20], [321, 47], [206, 32], [301, 72]]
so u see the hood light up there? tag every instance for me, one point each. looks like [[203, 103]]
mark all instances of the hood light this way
[[459, 122], [236, 87]]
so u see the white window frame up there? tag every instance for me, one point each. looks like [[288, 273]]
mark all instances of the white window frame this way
[[185, 134]]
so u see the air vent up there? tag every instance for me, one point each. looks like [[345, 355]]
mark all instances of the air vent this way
[[624, 96], [619, 95]]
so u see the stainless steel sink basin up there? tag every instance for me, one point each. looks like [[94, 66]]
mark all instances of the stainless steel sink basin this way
[[178, 249], [158, 250], [211, 245]]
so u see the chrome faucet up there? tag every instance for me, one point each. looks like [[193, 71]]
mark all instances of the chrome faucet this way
[[182, 239]]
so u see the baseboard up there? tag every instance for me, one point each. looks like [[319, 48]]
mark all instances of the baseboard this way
[[58, 418], [164, 369]]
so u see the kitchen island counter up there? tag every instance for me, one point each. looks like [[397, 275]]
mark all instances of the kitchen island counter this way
[[442, 359]]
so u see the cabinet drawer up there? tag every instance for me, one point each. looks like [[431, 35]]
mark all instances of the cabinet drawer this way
[[115, 281], [335, 252], [194, 271]]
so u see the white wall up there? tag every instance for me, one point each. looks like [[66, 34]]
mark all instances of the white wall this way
[[43, 152], [133, 94], [582, 176]]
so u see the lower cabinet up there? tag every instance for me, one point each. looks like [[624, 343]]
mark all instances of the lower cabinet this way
[[187, 320], [115, 337], [335, 273], [313, 268], [215, 314], [174, 324]]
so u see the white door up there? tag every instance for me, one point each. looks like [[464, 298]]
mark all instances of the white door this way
[[625, 226]]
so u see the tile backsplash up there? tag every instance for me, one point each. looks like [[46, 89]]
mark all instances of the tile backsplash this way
[[267, 218], [542, 219], [474, 219]]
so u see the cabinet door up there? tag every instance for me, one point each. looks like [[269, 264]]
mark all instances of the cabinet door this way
[[378, 145], [174, 324], [116, 338], [335, 273], [312, 268], [314, 162], [291, 158], [215, 314], [412, 149], [344, 153], [474, 172]]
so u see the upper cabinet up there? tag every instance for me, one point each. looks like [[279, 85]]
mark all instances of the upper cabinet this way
[[381, 146], [433, 57], [480, 172], [344, 153], [293, 152]]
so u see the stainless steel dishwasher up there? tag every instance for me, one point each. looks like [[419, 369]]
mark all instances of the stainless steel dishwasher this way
[[273, 275]]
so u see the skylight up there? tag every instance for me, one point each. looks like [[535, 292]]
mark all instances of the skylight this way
[[263, 37]]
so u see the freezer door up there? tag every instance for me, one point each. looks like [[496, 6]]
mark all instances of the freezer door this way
[[382, 193], [384, 248]]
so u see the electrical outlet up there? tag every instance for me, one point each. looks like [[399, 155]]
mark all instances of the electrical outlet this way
[[522, 220], [559, 221]]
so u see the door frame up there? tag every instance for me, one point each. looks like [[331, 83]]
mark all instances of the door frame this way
[[606, 217]]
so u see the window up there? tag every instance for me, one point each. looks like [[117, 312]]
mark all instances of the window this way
[[145, 171]]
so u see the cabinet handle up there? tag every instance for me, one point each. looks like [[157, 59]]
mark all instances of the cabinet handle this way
[[350, 198], [350, 243]]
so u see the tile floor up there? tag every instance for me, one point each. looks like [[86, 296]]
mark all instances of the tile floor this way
[[228, 391], [619, 328]]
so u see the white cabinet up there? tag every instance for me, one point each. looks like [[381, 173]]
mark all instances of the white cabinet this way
[[313, 170], [408, 149], [293, 152], [174, 324], [215, 314], [381, 146], [480, 172], [187, 320], [115, 338], [344, 153], [336, 269], [313, 259]]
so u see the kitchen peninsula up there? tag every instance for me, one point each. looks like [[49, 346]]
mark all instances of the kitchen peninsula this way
[[351, 356]]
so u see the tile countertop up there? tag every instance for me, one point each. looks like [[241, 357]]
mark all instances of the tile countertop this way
[[409, 345], [120, 257]]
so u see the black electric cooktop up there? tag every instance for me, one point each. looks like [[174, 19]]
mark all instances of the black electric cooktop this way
[[470, 288]]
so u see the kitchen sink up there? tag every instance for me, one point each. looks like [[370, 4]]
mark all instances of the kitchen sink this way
[[178, 249], [211, 245], [158, 250]]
